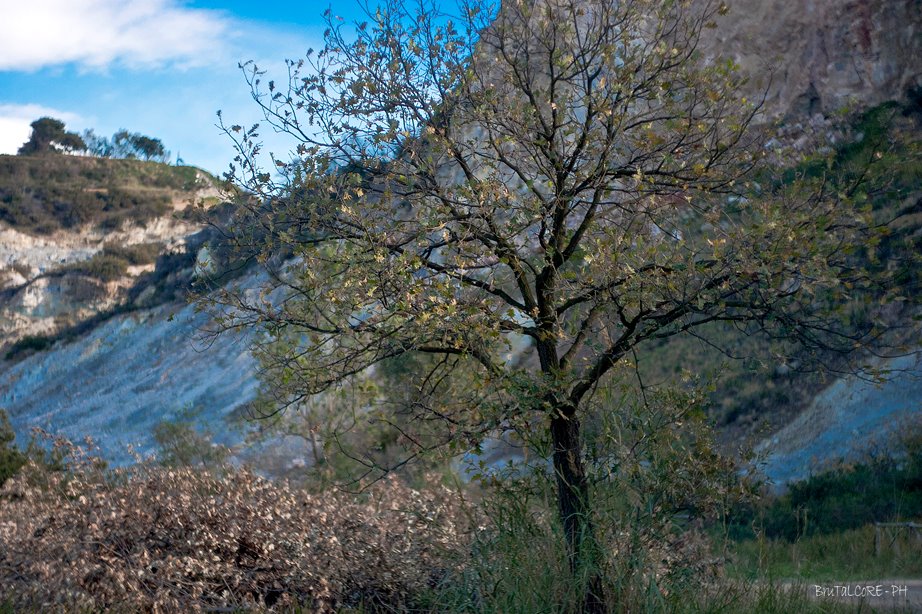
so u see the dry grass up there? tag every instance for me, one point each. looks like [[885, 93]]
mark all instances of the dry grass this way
[[156, 539]]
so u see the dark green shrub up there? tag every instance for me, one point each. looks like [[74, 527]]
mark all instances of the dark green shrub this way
[[11, 458], [139, 254], [182, 443], [103, 266], [29, 343], [881, 489]]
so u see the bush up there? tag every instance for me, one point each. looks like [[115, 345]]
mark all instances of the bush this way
[[883, 488], [113, 261], [11, 459], [137, 254], [181, 444], [103, 266], [29, 343], [158, 539]]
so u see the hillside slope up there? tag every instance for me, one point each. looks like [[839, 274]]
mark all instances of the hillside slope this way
[[119, 380], [96, 334], [851, 418], [77, 234], [815, 57]]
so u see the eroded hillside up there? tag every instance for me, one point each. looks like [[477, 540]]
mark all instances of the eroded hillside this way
[[79, 236]]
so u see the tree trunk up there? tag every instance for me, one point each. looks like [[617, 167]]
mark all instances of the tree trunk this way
[[574, 507]]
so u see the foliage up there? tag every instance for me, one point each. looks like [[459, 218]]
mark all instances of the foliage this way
[[162, 539], [656, 481], [112, 262], [533, 200], [138, 145], [49, 136], [11, 458], [44, 194], [567, 176], [885, 487], [134, 254], [126, 145], [79, 537], [765, 382], [183, 443], [29, 343], [102, 266]]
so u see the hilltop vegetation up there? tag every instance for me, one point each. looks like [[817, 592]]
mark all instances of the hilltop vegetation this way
[[87, 241], [40, 195]]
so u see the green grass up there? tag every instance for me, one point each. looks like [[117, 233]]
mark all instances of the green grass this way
[[766, 598], [823, 529], [845, 556]]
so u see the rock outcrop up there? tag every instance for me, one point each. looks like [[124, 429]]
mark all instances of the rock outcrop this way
[[818, 56]]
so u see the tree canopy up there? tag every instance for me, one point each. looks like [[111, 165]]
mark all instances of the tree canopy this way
[[49, 136], [571, 176], [125, 144]]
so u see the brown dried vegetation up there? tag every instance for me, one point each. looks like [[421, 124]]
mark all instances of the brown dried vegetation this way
[[156, 539]]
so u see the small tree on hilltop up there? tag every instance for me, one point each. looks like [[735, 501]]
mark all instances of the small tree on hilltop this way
[[566, 172], [49, 136], [135, 145]]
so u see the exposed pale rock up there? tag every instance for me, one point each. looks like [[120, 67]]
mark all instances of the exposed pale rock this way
[[118, 381], [846, 421]]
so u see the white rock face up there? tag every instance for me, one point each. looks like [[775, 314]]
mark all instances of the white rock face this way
[[41, 254], [52, 297], [35, 304], [44, 254], [117, 382], [845, 421]]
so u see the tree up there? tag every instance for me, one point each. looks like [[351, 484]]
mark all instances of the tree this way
[[124, 144], [149, 148], [49, 136], [98, 146], [572, 173], [135, 145]]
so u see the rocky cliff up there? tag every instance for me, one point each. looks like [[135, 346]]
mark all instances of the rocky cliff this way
[[821, 56], [77, 235], [96, 336]]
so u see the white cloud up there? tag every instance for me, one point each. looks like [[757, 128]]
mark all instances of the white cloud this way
[[96, 33], [15, 120]]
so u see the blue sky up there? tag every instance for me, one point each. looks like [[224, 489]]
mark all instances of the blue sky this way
[[159, 67]]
